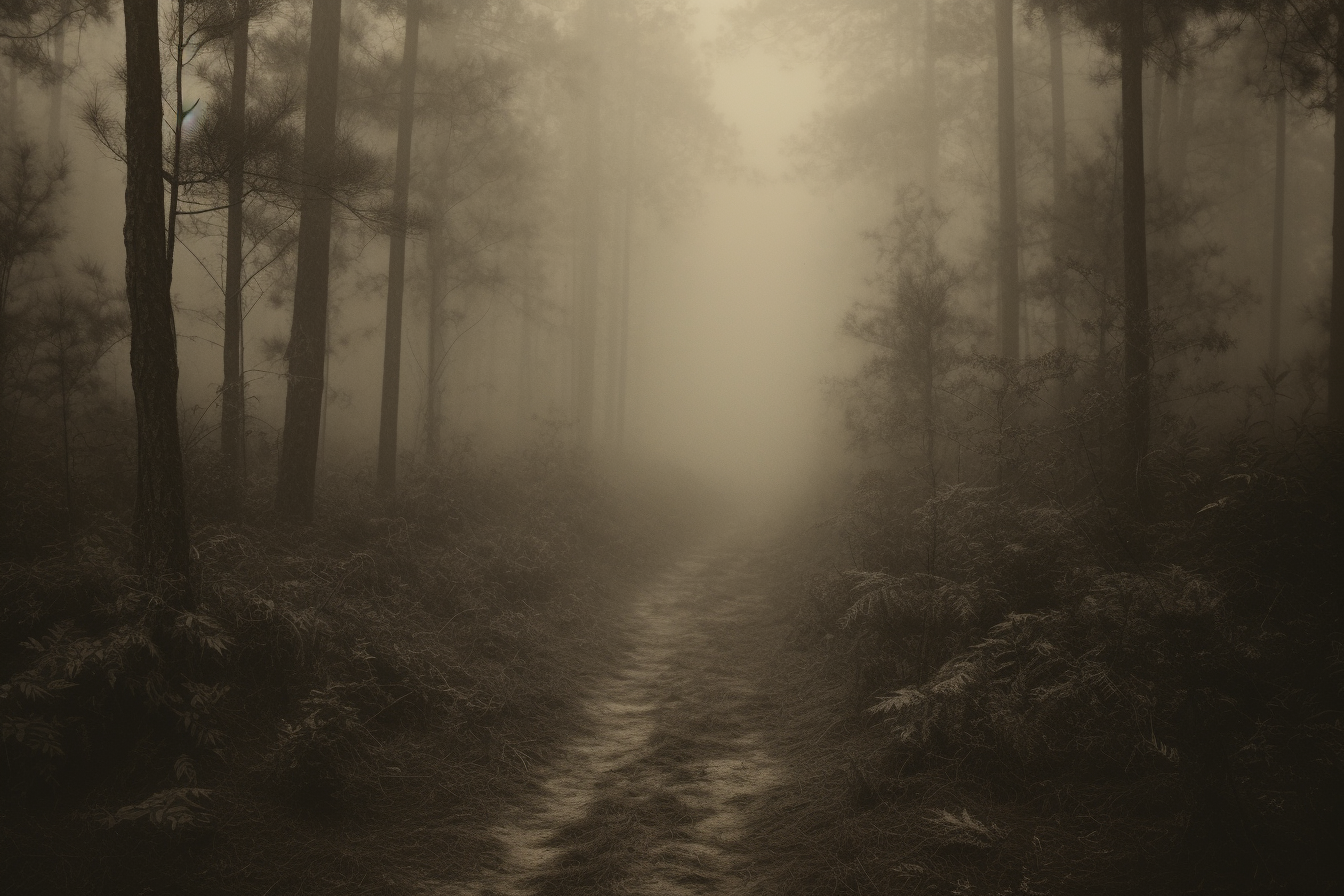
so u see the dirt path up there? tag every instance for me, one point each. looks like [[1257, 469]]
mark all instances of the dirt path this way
[[652, 797]]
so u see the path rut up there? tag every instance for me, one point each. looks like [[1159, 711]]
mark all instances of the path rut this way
[[654, 793]]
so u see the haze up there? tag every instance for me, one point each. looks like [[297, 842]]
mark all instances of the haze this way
[[545, 447]]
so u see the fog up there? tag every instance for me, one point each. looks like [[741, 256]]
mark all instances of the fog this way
[[760, 172], [737, 325], [546, 447]]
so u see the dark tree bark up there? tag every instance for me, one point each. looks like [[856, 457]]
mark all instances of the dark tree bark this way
[[307, 351], [232, 423], [1059, 166], [160, 525], [1335, 381], [1138, 336], [396, 265], [1009, 297], [1280, 202]]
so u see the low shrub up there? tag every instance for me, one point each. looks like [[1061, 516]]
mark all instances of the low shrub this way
[[1173, 679], [381, 667]]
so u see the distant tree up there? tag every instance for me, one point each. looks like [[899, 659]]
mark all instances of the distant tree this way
[[1307, 39], [307, 351], [29, 230], [232, 426], [1131, 27], [396, 274], [588, 220], [28, 226], [71, 328], [1008, 236], [1138, 328], [58, 76], [913, 328], [1052, 13]]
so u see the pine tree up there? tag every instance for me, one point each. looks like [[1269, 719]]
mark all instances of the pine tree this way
[[307, 350], [396, 272], [160, 524]]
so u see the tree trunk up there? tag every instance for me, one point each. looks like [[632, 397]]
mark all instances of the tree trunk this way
[[396, 264], [307, 351], [1280, 201], [1335, 381], [1009, 300], [435, 365], [1138, 336], [160, 525], [1059, 169], [179, 117], [232, 421]]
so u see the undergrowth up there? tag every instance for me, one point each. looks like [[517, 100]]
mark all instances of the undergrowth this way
[[340, 704], [1017, 691]]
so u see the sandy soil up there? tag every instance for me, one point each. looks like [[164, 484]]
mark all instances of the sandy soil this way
[[654, 794]]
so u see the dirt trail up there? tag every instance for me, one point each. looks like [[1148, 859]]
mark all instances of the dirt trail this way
[[652, 797]]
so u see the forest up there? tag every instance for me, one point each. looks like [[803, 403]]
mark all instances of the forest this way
[[529, 448]]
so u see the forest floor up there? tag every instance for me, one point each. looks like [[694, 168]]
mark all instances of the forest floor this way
[[672, 762]]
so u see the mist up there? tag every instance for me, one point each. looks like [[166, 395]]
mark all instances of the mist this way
[[671, 446]]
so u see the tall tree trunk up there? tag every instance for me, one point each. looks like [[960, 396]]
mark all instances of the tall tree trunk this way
[[1009, 299], [160, 525], [308, 331], [1335, 382], [931, 117], [396, 264], [1138, 336], [179, 117], [232, 422], [1058, 169], [1280, 202]]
